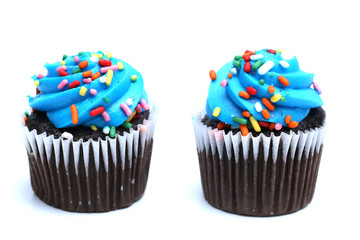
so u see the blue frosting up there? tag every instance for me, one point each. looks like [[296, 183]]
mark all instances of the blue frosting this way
[[298, 96], [56, 102]]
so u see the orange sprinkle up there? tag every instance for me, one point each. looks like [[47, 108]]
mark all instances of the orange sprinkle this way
[[87, 74], [212, 75], [74, 114], [271, 126], [268, 104], [248, 53], [221, 125], [293, 124], [265, 113], [230, 75], [244, 130], [287, 119], [25, 119], [95, 76], [83, 64], [246, 113], [271, 89], [283, 81], [244, 94]]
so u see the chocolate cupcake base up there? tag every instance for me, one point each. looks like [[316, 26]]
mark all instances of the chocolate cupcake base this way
[[258, 176], [91, 176]]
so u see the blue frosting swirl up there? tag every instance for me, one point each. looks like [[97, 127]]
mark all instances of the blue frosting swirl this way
[[297, 98], [56, 102]]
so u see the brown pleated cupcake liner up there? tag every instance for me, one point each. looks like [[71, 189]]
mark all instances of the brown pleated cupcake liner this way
[[92, 176], [258, 176]]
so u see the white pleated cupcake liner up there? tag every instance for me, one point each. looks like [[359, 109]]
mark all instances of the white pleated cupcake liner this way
[[258, 175], [91, 176]]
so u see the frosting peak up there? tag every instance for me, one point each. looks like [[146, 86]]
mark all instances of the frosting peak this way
[[89, 89], [264, 87]]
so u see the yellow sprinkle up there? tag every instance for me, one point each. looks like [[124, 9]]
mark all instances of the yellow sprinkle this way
[[109, 77], [216, 112], [255, 124], [120, 65], [108, 55], [132, 115], [62, 62], [94, 128], [279, 51], [99, 55], [133, 78], [82, 91], [36, 83], [275, 98]]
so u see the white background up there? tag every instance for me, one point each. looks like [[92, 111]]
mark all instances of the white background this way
[[174, 44]]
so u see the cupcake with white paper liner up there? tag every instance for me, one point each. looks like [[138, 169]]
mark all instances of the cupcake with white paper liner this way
[[260, 138], [89, 135]]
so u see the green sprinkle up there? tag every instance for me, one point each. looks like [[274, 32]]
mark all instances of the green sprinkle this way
[[112, 131], [261, 82], [94, 128], [81, 53], [76, 70], [257, 64], [239, 120], [282, 99], [64, 57], [107, 100], [271, 74], [126, 125], [237, 63], [238, 58], [133, 78], [26, 114]]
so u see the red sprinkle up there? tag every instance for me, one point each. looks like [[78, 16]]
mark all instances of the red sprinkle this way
[[247, 67], [63, 73], [97, 111], [271, 51], [251, 90], [263, 124], [137, 116], [74, 84], [104, 62], [247, 58], [221, 125]]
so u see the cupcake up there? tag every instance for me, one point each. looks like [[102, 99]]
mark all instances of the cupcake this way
[[89, 135], [260, 138]]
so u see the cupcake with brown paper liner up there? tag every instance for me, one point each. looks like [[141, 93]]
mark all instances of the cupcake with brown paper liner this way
[[89, 135], [260, 138]]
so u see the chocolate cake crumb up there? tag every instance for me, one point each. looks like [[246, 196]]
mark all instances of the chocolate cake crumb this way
[[315, 118], [39, 121]]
